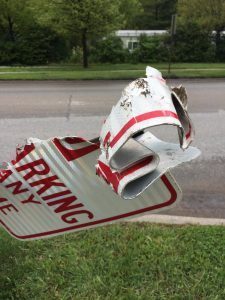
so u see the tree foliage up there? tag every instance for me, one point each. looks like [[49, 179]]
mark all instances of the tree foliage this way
[[109, 50], [193, 44], [14, 16], [130, 9], [43, 31], [23, 41], [208, 14], [85, 19], [156, 14], [151, 50]]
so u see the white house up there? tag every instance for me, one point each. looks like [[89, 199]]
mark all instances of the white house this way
[[130, 38]]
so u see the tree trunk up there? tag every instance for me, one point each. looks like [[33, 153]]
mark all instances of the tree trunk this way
[[10, 29], [217, 40], [156, 12], [85, 49]]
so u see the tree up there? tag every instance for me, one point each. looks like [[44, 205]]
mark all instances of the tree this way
[[23, 41], [209, 14], [193, 44], [41, 45], [156, 14], [13, 18], [13, 15], [130, 9], [84, 20]]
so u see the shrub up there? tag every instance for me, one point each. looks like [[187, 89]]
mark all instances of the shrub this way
[[34, 45], [109, 50], [193, 44], [150, 50], [220, 51]]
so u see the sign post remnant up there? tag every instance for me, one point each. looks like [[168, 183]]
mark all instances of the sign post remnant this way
[[172, 35]]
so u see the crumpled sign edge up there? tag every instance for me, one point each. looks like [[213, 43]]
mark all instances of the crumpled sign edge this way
[[167, 179]]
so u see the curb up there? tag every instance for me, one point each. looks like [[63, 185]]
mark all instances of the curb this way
[[178, 220]]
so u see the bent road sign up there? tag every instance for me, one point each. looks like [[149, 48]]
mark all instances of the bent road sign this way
[[51, 188]]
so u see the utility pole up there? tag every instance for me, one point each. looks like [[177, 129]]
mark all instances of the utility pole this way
[[172, 35]]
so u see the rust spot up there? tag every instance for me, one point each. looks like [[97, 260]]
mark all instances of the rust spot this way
[[141, 83], [146, 92], [126, 102], [181, 92]]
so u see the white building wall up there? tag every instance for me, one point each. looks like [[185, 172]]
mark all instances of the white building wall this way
[[130, 38]]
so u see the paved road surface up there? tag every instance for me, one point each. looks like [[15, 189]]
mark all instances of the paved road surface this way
[[45, 109], [90, 98]]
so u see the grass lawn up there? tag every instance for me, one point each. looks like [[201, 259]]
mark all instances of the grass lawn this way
[[125, 261], [109, 71]]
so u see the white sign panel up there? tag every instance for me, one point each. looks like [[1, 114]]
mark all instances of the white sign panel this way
[[51, 188]]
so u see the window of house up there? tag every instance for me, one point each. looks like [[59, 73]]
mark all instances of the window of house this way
[[135, 45], [132, 45]]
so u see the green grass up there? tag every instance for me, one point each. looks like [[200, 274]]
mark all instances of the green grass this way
[[126, 261], [108, 71]]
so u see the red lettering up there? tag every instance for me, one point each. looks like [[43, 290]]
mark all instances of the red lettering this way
[[33, 170], [65, 204], [7, 208], [72, 154], [23, 153], [66, 217], [30, 200], [56, 195], [17, 189], [47, 183], [4, 175], [3, 200]]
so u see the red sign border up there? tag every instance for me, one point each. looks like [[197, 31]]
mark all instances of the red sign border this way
[[172, 199]]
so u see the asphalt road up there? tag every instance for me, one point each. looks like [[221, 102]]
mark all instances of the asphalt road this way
[[58, 108], [19, 99]]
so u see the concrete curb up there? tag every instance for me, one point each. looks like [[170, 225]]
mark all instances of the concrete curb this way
[[179, 220]]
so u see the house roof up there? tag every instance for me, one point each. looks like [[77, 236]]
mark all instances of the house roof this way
[[137, 33]]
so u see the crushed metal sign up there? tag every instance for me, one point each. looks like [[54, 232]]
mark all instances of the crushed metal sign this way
[[68, 184], [51, 188]]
